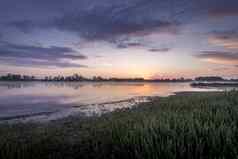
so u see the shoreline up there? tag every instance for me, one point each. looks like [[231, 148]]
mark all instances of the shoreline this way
[[91, 110], [85, 110]]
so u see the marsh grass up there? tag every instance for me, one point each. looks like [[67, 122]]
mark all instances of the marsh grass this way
[[195, 125]]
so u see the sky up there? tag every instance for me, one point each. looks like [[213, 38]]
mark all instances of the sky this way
[[119, 38]]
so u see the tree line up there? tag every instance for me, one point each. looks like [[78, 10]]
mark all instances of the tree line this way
[[77, 77], [17, 77]]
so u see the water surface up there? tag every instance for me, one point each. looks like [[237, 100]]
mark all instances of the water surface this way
[[26, 99]]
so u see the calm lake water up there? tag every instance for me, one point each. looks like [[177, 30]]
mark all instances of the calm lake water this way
[[53, 100]]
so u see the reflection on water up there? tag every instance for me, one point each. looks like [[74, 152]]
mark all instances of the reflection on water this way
[[24, 98]]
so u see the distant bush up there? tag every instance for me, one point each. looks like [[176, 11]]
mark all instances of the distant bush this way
[[209, 78]]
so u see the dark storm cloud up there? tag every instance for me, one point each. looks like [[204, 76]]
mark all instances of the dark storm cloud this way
[[23, 51], [128, 43], [93, 19], [225, 34], [23, 25], [227, 39], [22, 55], [224, 8], [122, 44], [159, 49], [133, 44], [101, 20], [219, 54], [219, 57], [216, 8], [222, 12], [29, 62], [104, 26]]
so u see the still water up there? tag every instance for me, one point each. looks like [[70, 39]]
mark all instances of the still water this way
[[53, 100]]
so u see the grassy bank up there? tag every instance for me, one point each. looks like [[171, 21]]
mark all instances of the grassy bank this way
[[195, 125]]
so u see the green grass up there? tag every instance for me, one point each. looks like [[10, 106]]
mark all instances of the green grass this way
[[195, 125]]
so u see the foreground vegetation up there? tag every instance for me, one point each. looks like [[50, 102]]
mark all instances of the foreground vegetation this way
[[195, 125]]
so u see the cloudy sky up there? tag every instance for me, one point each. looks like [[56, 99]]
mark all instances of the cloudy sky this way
[[119, 38]]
